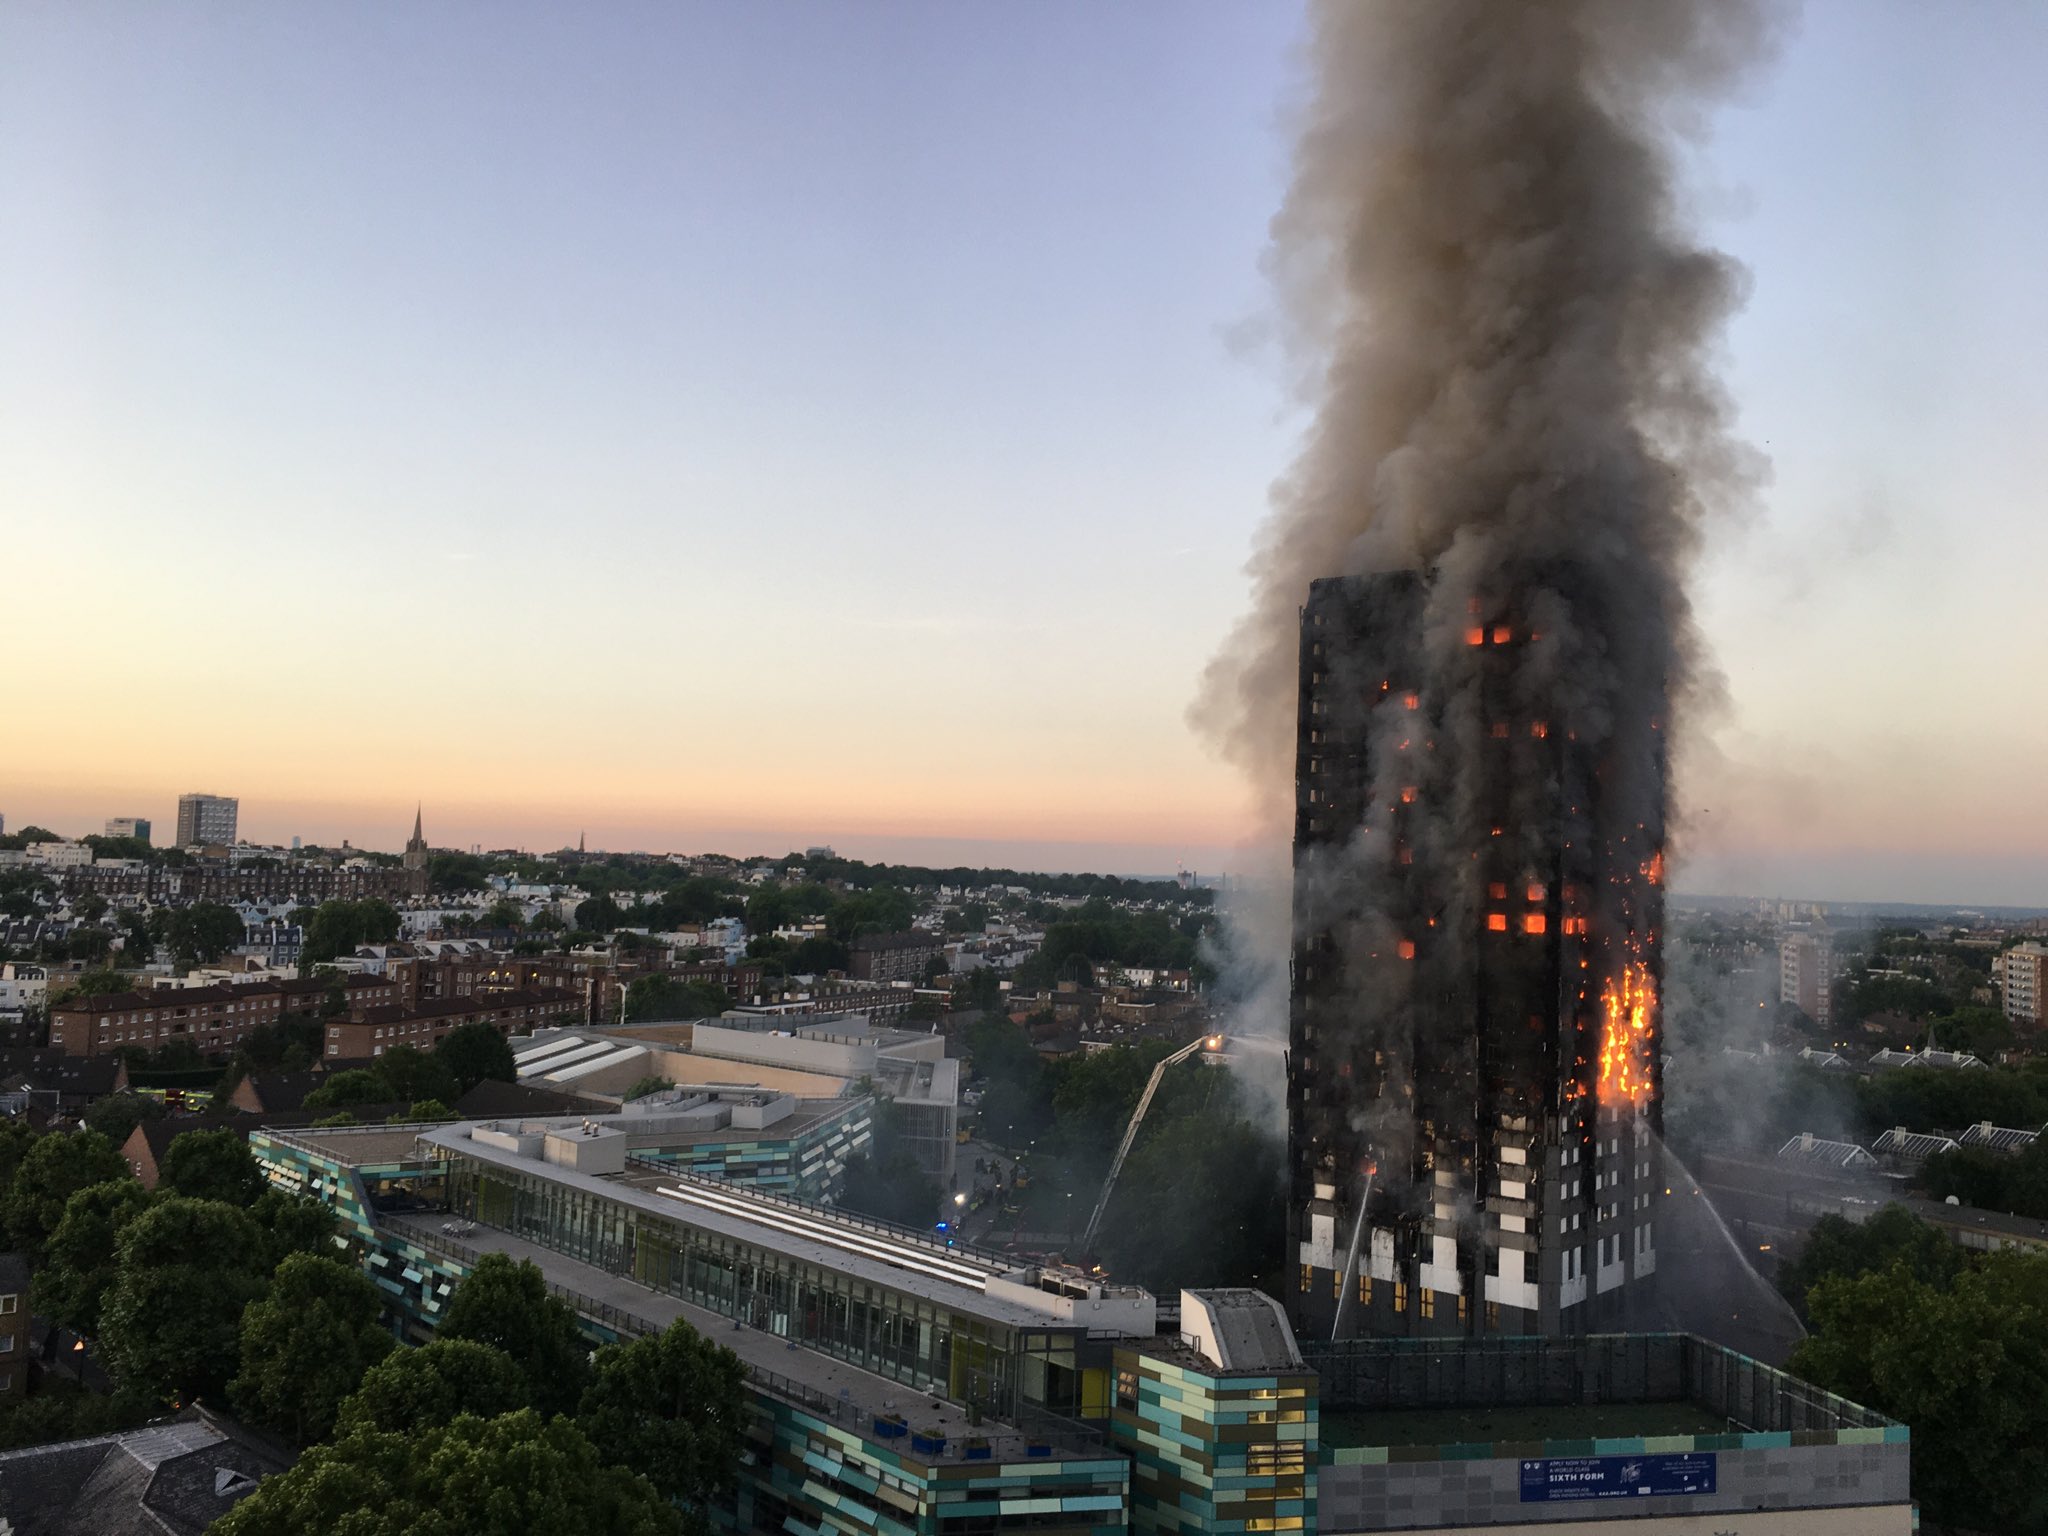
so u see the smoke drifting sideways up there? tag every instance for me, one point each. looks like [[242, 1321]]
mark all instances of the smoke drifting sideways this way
[[1505, 335]]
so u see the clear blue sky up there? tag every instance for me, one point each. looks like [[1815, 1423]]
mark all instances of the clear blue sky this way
[[737, 425]]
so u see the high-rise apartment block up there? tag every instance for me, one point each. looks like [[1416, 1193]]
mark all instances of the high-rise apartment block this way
[[207, 819], [1806, 973], [2023, 983], [1473, 1070], [128, 826]]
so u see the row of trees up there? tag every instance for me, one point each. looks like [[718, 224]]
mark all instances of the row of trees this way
[[216, 1286], [1953, 1344], [1099, 934], [660, 998], [1992, 1181], [505, 1422], [1759, 1104]]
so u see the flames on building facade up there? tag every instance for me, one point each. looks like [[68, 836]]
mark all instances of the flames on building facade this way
[[1477, 910]]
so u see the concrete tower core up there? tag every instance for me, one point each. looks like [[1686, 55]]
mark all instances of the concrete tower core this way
[[1474, 1062]]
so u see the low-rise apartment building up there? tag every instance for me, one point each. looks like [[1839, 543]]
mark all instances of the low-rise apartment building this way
[[894, 956], [212, 1019], [374, 1031]]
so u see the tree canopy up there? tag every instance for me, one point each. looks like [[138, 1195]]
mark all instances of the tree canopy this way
[[659, 997], [473, 1052], [184, 1270], [337, 927], [201, 933], [415, 1389], [306, 1346], [1963, 1363], [211, 1165], [78, 1262], [52, 1170], [506, 1305], [671, 1407], [516, 1475]]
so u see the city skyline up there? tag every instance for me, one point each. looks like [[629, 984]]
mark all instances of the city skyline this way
[[867, 453]]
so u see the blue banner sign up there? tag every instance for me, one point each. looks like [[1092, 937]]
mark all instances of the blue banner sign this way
[[1557, 1479]]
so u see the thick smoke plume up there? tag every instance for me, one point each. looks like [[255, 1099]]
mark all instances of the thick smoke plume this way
[[1505, 332]]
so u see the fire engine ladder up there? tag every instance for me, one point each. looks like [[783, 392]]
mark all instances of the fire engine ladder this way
[[1199, 1043]]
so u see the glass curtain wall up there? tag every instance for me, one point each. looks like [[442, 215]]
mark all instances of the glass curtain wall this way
[[904, 1337]]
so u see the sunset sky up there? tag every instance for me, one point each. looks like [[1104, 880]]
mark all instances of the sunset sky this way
[[741, 426]]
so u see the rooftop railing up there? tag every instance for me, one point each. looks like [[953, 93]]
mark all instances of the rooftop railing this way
[[1416, 1373], [1035, 1433]]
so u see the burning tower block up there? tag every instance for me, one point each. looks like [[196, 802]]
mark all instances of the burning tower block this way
[[1473, 1069]]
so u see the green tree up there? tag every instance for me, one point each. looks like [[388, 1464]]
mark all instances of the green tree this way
[[410, 1073], [517, 1475], [661, 998], [358, 1085], [1016, 1090], [982, 989], [57, 1167], [1199, 1203], [16, 1138], [600, 914], [100, 984], [473, 1052], [884, 909], [503, 913], [183, 1272], [422, 1110], [816, 956], [646, 1085], [211, 1165], [138, 947], [116, 1116], [451, 872], [672, 1408], [63, 1409], [306, 1345], [1992, 1181], [1841, 1249], [337, 927], [294, 1224], [411, 1390], [506, 1305], [78, 1264], [1963, 1365], [91, 945], [201, 933]]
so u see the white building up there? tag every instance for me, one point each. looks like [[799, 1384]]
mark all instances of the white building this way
[[1806, 973], [22, 987], [60, 855]]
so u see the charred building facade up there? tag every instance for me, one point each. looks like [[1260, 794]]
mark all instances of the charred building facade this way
[[1473, 1066]]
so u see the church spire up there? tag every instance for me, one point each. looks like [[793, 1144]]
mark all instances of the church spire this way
[[416, 845]]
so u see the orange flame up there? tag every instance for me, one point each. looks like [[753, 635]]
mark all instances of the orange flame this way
[[1629, 1003]]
